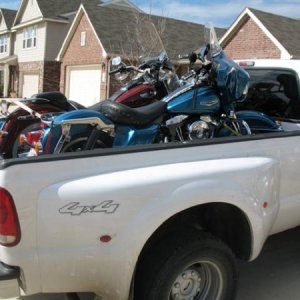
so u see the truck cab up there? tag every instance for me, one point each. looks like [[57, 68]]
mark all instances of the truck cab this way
[[274, 87]]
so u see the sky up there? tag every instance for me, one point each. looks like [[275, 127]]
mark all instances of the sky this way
[[222, 13]]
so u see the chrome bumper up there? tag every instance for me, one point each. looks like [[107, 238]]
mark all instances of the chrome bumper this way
[[9, 281]]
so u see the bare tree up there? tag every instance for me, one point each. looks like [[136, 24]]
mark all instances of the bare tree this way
[[142, 37]]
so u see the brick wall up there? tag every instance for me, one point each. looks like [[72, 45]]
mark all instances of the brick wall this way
[[251, 42], [90, 54], [51, 74]]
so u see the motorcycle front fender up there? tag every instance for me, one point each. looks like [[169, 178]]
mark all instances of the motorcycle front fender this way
[[258, 121]]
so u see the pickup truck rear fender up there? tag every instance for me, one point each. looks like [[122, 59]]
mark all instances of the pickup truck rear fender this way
[[91, 238]]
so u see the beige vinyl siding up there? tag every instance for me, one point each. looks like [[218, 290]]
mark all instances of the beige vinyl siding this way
[[56, 33], [8, 52], [31, 12], [31, 54], [2, 25]]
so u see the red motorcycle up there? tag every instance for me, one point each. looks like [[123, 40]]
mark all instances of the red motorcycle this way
[[20, 129]]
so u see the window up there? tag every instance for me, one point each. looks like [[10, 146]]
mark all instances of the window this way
[[273, 92], [3, 43], [29, 37], [82, 38]]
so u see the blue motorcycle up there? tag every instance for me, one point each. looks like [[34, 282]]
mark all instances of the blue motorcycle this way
[[202, 107]]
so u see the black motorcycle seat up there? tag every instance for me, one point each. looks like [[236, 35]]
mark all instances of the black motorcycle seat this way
[[125, 115], [57, 99]]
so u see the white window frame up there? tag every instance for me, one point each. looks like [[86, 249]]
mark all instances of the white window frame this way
[[29, 37], [3, 43], [82, 38]]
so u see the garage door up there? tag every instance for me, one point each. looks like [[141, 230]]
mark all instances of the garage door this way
[[84, 85], [30, 85]]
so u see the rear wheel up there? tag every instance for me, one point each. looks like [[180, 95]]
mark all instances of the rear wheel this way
[[78, 143], [22, 150], [197, 267]]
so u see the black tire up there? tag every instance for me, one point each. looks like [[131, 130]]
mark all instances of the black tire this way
[[78, 143], [197, 267]]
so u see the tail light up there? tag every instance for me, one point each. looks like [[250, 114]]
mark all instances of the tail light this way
[[34, 136], [33, 139], [247, 63], [10, 233]]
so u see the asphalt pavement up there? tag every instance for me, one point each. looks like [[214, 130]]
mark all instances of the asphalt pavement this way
[[274, 275]]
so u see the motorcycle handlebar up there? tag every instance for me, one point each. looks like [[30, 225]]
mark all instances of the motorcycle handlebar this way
[[125, 69], [115, 71], [192, 57]]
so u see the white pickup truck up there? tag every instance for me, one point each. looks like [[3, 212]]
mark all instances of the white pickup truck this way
[[156, 222], [161, 222]]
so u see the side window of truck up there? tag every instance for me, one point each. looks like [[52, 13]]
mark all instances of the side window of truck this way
[[274, 92]]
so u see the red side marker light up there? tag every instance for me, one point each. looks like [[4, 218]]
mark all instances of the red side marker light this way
[[105, 238]]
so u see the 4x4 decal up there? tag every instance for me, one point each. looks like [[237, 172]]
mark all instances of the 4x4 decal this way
[[75, 209]]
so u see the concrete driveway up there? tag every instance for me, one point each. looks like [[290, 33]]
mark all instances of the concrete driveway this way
[[274, 275]]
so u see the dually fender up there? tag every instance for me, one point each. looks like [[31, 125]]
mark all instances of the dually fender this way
[[129, 205], [250, 184]]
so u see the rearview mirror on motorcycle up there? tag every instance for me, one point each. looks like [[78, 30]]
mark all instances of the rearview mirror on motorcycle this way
[[162, 57], [119, 69], [116, 61]]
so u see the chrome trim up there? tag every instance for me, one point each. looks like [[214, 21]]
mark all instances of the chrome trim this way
[[94, 121]]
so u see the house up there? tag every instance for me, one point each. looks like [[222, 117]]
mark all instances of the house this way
[[260, 35], [7, 58], [84, 40], [34, 36], [98, 34], [40, 27]]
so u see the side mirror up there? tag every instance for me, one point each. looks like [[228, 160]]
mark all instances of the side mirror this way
[[116, 61], [162, 57]]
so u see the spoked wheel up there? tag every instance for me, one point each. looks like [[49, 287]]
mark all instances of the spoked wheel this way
[[197, 267]]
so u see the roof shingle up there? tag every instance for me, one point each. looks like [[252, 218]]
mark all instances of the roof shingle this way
[[118, 31], [9, 17], [285, 30]]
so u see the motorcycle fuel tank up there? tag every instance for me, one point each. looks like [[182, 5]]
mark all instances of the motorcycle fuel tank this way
[[199, 100], [138, 95]]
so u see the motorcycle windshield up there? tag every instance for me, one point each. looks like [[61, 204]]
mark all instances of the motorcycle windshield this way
[[143, 43], [149, 54], [230, 78], [149, 43]]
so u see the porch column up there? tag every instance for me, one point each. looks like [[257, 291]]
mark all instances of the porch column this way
[[6, 80]]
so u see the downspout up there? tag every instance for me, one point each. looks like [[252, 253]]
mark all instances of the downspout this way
[[107, 76]]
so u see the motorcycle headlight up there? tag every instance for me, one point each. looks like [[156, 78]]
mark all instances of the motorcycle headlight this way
[[121, 75]]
